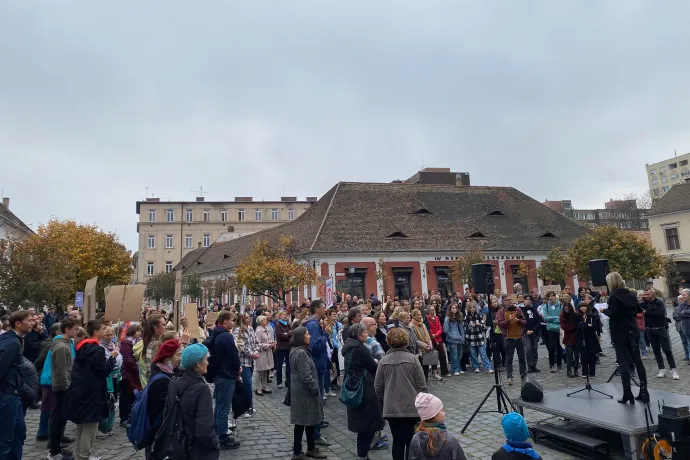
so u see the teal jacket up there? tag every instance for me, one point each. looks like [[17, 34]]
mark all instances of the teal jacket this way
[[46, 378], [552, 316]]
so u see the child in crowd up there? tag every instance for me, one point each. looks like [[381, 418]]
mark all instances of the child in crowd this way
[[516, 446], [432, 439]]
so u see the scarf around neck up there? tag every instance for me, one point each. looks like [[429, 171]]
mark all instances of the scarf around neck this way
[[521, 448]]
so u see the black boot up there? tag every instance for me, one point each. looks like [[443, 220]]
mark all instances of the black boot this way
[[627, 396], [644, 394]]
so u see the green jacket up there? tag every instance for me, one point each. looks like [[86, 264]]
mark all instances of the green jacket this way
[[552, 316], [61, 364]]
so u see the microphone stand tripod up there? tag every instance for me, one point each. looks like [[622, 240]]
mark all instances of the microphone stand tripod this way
[[588, 385]]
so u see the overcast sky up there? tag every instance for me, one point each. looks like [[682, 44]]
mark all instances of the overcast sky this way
[[99, 100]]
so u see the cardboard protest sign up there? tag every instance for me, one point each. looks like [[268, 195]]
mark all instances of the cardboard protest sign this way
[[211, 318], [89, 308], [190, 312], [552, 287], [123, 303]]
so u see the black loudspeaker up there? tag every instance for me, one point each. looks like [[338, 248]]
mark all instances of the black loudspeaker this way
[[598, 269], [531, 391], [483, 278]]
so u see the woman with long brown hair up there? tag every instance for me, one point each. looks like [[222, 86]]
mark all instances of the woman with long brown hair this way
[[145, 350]]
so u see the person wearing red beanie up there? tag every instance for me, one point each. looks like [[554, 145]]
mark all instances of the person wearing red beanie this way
[[165, 361]]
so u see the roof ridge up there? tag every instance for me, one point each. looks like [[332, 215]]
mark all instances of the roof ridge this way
[[325, 215]]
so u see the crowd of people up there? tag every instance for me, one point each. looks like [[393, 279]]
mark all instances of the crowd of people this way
[[377, 356]]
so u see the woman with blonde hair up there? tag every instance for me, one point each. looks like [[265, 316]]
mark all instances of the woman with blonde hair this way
[[621, 311], [264, 363], [422, 333]]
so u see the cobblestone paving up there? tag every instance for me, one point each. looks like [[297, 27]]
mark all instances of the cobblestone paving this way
[[268, 434]]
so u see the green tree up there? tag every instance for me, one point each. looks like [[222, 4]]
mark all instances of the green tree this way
[[161, 287], [191, 287], [556, 267], [628, 254], [673, 277]]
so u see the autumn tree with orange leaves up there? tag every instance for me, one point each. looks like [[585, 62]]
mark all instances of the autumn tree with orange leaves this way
[[50, 266], [273, 270]]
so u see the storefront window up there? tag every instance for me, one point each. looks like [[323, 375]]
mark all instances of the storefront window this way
[[402, 286], [444, 284], [519, 279]]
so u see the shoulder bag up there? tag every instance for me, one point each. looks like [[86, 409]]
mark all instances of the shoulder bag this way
[[352, 391]]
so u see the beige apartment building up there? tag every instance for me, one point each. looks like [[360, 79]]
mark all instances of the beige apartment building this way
[[168, 230], [669, 224], [665, 174]]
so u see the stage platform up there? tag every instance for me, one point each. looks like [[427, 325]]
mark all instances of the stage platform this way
[[603, 412]]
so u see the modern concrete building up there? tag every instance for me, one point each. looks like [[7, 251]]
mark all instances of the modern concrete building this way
[[669, 223], [665, 174], [11, 226], [168, 230]]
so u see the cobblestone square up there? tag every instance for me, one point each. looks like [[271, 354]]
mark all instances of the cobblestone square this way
[[268, 434]]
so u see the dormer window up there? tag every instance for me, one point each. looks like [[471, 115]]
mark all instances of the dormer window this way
[[496, 212], [548, 235], [477, 235], [397, 235], [422, 211]]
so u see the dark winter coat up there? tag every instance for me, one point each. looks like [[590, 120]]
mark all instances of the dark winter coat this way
[[196, 407], [586, 336], [225, 354], [655, 314], [30, 377], [503, 454], [621, 312], [130, 366], [32, 344], [88, 393], [533, 318], [158, 393], [282, 336], [368, 416], [49, 319], [569, 323], [41, 360], [11, 380], [305, 397]]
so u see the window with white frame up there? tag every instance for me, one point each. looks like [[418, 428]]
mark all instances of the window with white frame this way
[[240, 215], [291, 214], [652, 172], [168, 241], [257, 214], [672, 239], [168, 267], [224, 215], [275, 215], [207, 215], [152, 215], [149, 268], [190, 215], [207, 240], [170, 215], [151, 242], [188, 241]]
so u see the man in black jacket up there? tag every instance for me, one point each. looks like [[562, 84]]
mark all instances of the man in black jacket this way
[[531, 337], [226, 360], [657, 330], [33, 339], [12, 426]]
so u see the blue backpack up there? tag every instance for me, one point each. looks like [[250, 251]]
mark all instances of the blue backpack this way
[[140, 429]]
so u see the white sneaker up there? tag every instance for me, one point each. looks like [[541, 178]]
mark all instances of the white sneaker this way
[[94, 458], [661, 374], [456, 373], [490, 371], [675, 374], [476, 371], [331, 394]]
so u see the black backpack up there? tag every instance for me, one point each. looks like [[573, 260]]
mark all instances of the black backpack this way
[[171, 442], [213, 365]]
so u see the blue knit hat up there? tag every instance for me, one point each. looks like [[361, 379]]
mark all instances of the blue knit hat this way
[[193, 354], [514, 427]]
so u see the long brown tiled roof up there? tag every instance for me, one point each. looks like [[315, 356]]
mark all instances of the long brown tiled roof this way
[[675, 200], [384, 218]]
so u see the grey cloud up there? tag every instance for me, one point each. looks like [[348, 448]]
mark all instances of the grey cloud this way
[[98, 102]]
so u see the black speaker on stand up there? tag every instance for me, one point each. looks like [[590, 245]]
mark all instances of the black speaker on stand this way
[[598, 269], [483, 278]]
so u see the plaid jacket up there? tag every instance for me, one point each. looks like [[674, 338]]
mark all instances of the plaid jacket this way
[[374, 348], [474, 334], [250, 347]]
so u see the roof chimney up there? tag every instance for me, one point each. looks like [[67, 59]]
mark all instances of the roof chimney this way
[[200, 198], [6, 202]]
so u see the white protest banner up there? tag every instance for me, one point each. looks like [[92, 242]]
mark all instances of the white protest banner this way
[[329, 292]]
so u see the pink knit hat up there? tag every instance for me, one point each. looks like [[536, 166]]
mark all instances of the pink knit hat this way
[[428, 405]]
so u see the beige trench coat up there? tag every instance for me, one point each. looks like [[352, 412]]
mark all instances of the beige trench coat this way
[[265, 361]]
